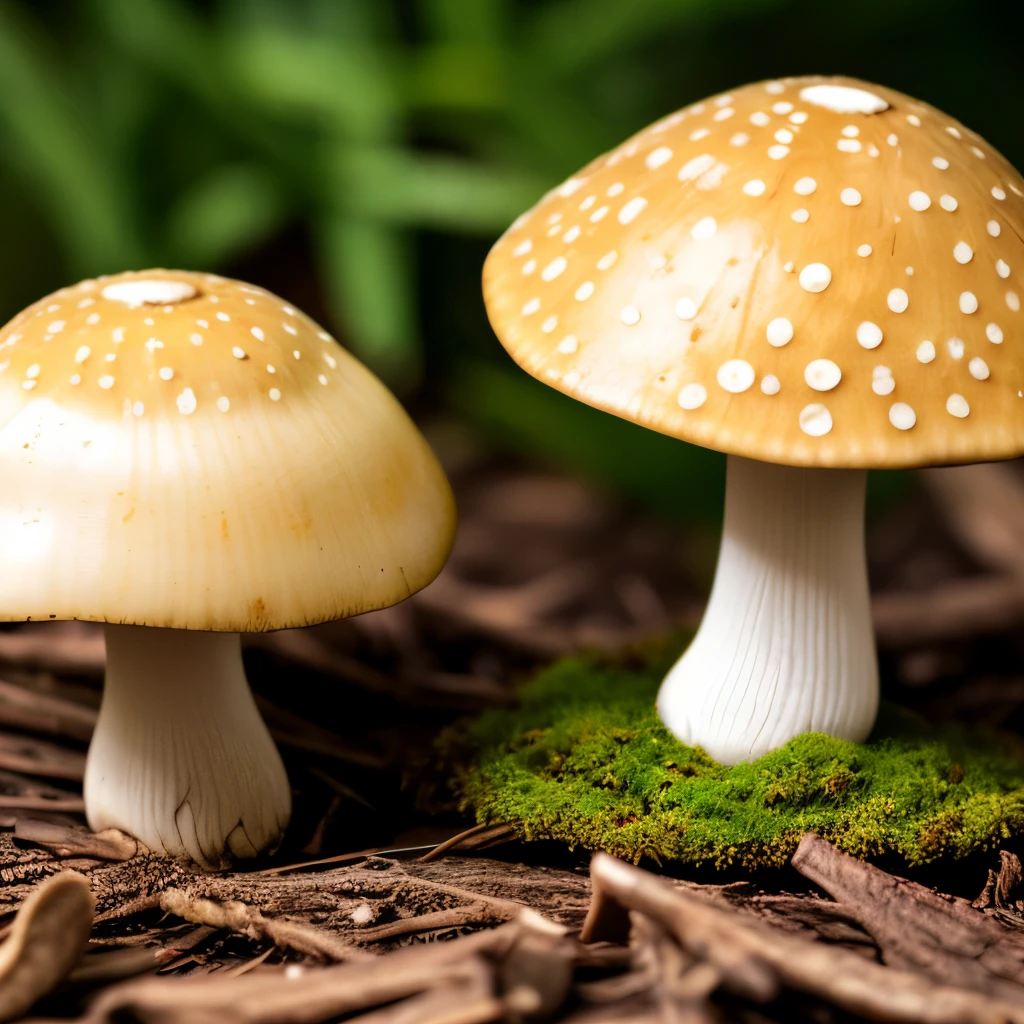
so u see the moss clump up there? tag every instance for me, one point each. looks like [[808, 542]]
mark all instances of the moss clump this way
[[585, 760]]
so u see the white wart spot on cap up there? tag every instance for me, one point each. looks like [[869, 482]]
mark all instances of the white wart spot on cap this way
[[779, 332], [144, 292], [632, 210], [963, 253], [735, 376], [925, 352], [686, 308], [994, 333], [956, 405], [805, 186], [955, 348], [770, 384], [898, 300], [869, 335], [186, 402], [843, 99], [754, 187], [978, 368], [902, 416], [968, 302], [919, 201], [568, 345], [815, 277], [850, 197], [692, 396], [815, 420], [822, 374], [704, 229]]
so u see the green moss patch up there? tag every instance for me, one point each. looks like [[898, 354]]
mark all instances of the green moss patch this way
[[584, 760]]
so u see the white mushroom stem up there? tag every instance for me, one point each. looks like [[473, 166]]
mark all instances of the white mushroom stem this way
[[786, 644], [180, 757]]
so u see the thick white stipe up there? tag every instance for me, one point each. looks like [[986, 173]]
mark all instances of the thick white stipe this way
[[180, 757], [786, 645]]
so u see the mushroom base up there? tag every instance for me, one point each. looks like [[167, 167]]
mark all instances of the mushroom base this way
[[786, 645], [180, 757]]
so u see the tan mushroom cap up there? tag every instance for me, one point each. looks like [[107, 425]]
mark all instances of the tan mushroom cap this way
[[814, 271], [181, 450]]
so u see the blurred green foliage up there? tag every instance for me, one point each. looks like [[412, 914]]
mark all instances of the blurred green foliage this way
[[360, 156]]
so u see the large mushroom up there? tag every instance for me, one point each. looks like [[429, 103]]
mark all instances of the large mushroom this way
[[816, 276], [189, 458]]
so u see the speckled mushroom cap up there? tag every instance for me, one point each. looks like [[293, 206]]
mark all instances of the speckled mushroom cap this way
[[814, 271], [177, 449]]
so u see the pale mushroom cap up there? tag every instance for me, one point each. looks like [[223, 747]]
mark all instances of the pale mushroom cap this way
[[813, 271], [212, 460]]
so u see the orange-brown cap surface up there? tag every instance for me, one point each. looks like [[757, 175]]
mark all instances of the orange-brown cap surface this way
[[812, 271], [181, 450]]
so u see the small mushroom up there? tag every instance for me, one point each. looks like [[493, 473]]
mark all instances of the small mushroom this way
[[816, 276], [189, 458]]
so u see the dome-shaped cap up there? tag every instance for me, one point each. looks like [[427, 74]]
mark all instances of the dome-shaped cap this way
[[177, 449], [812, 271]]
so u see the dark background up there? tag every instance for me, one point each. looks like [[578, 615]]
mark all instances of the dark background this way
[[360, 156]]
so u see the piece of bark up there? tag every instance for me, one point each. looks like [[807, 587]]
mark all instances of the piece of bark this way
[[110, 844], [1002, 885], [32, 711], [944, 938], [755, 962], [471, 839], [48, 938]]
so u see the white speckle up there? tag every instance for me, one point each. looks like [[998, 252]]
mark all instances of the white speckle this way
[[118, 335], [106, 382], [784, 135], [760, 119], [290, 329], [892, 138], [239, 353], [553, 269], [882, 382], [568, 345], [56, 327], [584, 291], [953, 131], [588, 203], [531, 307], [257, 333], [798, 118], [914, 120], [962, 252], [700, 133], [993, 228], [864, 250], [570, 186], [848, 145], [925, 352], [955, 347], [33, 371], [186, 402], [851, 131], [815, 420], [948, 203], [735, 375], [615, 189], [632, 209], [629, 315], [148, 292], [529, 266], [978, 152], [523, 247], [898, 300], [978, 368], [28, 385], [275, 395], [902, 416], [165, 373], [778, 152], [739, 139], [754, 187], [968, 302], [919, 201], [329, 360], [322, 378], [956, 405], [607, 260], [788, 266], [223, 404], [822, 374], [657, 157], [554, 218], [296, 353], [941, 162], [850, 197], [779, 332], [153, 344], [110, 357], [92, 319], [694, 168], [909, 271], [775, 88], [1002, 268], [770, 384], [724, 114], [686, 309], [572, 234], [801, 216], [1013, 301], [998, 193], [205, 324], [549, 325], [782, 107], [869, 335], [692, 396], [599, 214], [805, 186], [994, 333], [704, 229], [82, 354], [86, 303], [815, 277], [223, 317], [75, 378]]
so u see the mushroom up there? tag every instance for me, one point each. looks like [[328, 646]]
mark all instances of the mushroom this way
[[816, 276], [187, 458]]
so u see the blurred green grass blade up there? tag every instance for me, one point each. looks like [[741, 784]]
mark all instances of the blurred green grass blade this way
[[456, 77], [87, 204], [225, 214], [424, 190], [467, 21], [674, 479], [350, 85], [369, 281]]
